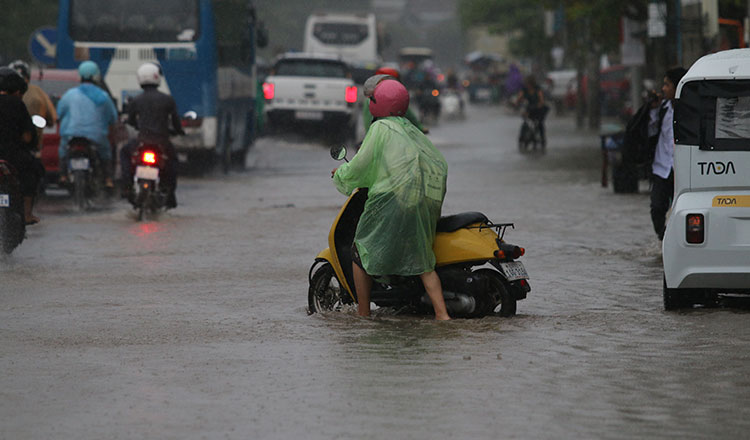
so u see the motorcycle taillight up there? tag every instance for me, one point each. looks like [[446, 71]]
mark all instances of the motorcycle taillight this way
[[149, 157]]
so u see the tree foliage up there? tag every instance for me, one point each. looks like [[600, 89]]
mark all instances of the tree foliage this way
[[18, 21], [522, 20]]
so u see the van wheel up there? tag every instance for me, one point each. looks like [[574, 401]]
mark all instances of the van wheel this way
[[676, 299]]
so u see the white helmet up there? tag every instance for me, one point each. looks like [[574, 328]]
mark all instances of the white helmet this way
[[149, 74]]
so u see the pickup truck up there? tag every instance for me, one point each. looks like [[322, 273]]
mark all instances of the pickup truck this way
[[311, 89]]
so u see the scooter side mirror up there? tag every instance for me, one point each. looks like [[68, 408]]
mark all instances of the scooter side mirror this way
[[38, 121], [338, 152]]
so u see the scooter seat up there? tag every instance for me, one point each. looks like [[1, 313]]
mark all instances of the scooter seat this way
[[454, 222]]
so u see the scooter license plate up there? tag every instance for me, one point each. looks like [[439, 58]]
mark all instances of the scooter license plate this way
[[4, 200], [514, 271], [148, 173], [79, 163]]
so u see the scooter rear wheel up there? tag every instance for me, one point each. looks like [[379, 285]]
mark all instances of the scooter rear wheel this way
[[504, 303], [325, 294]]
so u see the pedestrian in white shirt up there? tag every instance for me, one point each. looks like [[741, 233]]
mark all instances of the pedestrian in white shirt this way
[[662, 178]]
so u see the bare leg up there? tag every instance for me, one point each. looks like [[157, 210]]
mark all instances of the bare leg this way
[[28, 204], [363, 284], [434, 289]]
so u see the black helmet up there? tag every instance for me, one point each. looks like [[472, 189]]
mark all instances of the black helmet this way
[[22, 67], [11, 81]]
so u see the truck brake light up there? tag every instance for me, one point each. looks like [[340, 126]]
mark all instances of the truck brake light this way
[[351, 94], [269, 91]]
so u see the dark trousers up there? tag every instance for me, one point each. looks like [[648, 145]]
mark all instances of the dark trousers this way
[[662, 191], [168, 174], [539, 114], [29, 168]]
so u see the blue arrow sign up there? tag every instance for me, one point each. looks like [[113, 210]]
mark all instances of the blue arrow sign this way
[[43, 45]]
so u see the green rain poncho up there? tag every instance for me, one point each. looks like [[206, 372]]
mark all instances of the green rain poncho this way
[[367, 118], [406, 177]]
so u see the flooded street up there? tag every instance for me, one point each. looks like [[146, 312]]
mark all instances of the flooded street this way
[[195, 325]]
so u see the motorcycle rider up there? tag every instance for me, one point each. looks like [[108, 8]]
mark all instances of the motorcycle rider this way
[[405, 175], [381, 74], [87, 111], [152, 113], [36, 100], [17, 138], [532, 96]]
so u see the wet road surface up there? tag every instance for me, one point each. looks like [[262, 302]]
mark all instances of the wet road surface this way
[[195, 325]]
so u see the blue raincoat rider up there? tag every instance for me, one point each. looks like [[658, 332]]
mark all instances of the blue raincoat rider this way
[[87, 111]]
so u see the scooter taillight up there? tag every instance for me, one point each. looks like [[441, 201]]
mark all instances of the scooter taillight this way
[[149, 157], [509, 251]]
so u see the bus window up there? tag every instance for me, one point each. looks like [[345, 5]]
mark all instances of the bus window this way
[[115, 20], [340, 33]]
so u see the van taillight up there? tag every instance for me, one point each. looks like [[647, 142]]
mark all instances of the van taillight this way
[[269, 90], [694, 228], [351, 94]]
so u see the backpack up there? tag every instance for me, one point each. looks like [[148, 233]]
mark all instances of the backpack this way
[[638, 147]]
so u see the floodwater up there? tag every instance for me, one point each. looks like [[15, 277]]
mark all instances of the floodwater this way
[[195, 325]]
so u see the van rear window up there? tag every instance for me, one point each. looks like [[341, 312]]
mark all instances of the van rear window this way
[[733, 118], [714, 115]]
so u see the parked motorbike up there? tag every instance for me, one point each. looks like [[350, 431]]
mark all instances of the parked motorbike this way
[[12, 221], [476, 266], [147, 195], [84, 172]]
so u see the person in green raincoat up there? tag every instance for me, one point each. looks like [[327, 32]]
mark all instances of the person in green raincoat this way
[[406, 179]]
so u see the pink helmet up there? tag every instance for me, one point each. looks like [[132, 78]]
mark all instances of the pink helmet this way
[[390, 98]]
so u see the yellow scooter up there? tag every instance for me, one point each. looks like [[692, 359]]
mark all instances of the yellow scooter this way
[[476, 266]]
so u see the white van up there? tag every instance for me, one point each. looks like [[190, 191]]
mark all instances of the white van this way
[[706, 248], [353, 37]]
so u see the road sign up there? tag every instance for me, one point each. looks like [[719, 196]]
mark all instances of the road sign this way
[[43, 45]]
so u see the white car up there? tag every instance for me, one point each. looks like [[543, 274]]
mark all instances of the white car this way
[[311, 88], [706, 247]]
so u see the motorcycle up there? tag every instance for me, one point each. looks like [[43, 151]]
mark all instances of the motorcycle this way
[[477, 267], [530, 136], [12, 224], [452, 104], [149, 161], [84, 171], [428, 101], [12, 221]]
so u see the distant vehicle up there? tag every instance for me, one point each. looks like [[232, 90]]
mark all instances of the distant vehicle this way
[[558, 84], [179, 35], [706, 247], [353, 37], [416, 55], [614, 82], [55, 82], [314, 89]]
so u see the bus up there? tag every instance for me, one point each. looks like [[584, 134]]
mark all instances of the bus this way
[[353, 37], [180, 36]]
